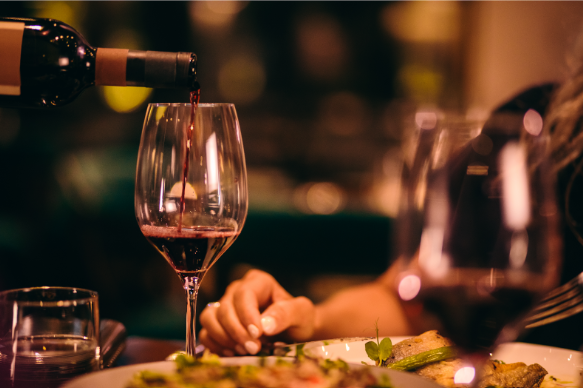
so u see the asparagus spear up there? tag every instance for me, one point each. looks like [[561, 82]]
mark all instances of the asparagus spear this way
[[421, 359]]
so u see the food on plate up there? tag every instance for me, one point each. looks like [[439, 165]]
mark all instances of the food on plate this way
[[517, 374], [433, 356], [427, 341], [208, 372]]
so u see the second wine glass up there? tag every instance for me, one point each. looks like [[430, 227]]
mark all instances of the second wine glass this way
[[191, 190], [479, 207]]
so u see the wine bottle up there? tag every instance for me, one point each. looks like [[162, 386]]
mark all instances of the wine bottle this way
[[47, 63]]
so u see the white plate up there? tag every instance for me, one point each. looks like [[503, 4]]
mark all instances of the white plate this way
[[119, 377], [350, 350], [565, 365], [562, 364]]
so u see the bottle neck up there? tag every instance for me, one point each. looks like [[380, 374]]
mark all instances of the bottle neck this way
[[155, 69]]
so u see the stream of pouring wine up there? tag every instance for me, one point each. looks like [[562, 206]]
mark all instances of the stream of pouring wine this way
[[194, 99]]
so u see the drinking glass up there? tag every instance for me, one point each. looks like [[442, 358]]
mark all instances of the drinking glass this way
[[47, 336], [191, 190], [481, 229]]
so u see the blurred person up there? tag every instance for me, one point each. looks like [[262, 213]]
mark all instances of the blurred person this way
[[257, 306], [256, 309]]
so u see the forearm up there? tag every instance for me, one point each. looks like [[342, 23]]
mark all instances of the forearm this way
[[357, 310]]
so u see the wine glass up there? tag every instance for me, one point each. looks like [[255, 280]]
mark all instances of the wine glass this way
[[480, 229], [191, 190]]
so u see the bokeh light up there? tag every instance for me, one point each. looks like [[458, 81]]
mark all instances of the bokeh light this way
[[70, 12], [215, 14], [427, 21], [409, 287], [126, 38], [242, 79], [319, 198], [322, 51], [533, 122], [426, 119], [125, 99], [464, 375], [421, 82]]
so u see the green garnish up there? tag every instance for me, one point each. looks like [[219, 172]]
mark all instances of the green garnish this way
[[184, 361], [379, 351], [328, 364], [421, 359], [300, 350], [152, 378]]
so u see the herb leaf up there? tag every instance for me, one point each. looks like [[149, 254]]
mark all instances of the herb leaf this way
[[372, 350], [385, 349]]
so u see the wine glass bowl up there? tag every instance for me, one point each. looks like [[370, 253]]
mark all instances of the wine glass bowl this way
[[191, 189], [484, 228]]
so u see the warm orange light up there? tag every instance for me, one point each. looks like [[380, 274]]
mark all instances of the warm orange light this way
[[322, 48], [423, 21], [215, 14], [319, 198], [426, 119]]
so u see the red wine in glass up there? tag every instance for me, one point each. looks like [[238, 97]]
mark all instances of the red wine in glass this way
[[190, 251], [485, 252], [474, 316], [191, 189]]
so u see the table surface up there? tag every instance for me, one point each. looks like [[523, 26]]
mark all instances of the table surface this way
[[139, 350]]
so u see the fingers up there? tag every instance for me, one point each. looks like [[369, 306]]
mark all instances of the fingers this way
[[295, 316], [223, 322], [215, 330], [237, 324], [213, 346], [258, 291], [246, 307], [223, 328]]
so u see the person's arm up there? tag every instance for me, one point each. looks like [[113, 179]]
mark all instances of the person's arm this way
[[257, 307], [355, 311]]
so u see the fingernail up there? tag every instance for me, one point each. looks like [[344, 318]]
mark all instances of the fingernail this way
[[228, 353], [253, 331], [251, 347], [268, 324], [240, 350]]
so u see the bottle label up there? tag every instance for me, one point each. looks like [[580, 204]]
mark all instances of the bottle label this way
[[10, 48], [110, 66]]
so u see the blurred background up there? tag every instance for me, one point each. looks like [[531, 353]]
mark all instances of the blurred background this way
[[326, 93]]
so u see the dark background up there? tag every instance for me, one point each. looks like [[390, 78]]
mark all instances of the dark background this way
[[66, 192], [325, 93]]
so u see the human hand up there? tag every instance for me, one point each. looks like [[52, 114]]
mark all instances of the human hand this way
[[254, 308]]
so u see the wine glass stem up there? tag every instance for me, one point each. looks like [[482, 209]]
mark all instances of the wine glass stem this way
[[191, 285]]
